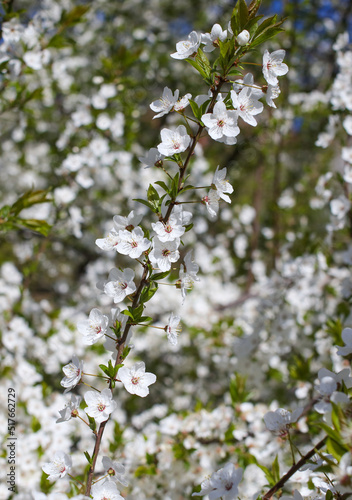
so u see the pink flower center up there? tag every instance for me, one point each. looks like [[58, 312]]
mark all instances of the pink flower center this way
[[177, 145], [134, 244], [123, 285], [221, 123], [168, 228], [228, 486], [97, 329], [101, 407], [135, 380], [165, 252]]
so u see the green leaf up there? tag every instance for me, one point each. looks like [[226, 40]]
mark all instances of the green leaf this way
[[163, 185], [335, 448], [195, 109], [147, 204], [159, 276], [74, 15], [238, 391], [188, 227], [127, 313], [254, 7], [197, 67], [152, 193], [269, 33], [148, 293], [268, 475], [137, 313], [265, 24], [239, 18], [40, 226], [203, 62], [276, 469], [174, 186], [92, 423], [88, 457]]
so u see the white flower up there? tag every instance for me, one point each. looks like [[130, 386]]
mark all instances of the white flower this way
[[129, 222], [93, 328], [346, 154], [222, 186], [211, 40], [347, 338], [279, 421], [340, 206], [273, 66], [329, 383], [120, 224], [73, 374], [173, 328], [59, 466], [100, 404], [164, 253], [119, 284], [183, 102], [243, 38], [221, 123], [70, 410], [347, 174], [105, 491], [174, 141], [115, 471], [273, 91], [222, 484], [165, 104], [136, 380], [108, 243], [211, 201], [169, 231], [188, 275], [186, 48], [247, 104], [152, 159], [132, 243]]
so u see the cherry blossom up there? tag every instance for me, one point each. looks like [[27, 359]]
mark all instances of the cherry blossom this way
[[211, 201], [115, 471], [93, 328], [164, 253], [132, 243], [165, 104], [100, 404], [222, 484], [279, 421], [70, 410], [73, 374], [188, 274], [273, 66], [221, 123], [105, 491], [173, 328], [119, 284], [58, 467], [186, 48], [247, 105], [243, 38], [347, 338], [136, 380], [222, 186], [211, 40], [152, 159], [174, 141], [170, 230]]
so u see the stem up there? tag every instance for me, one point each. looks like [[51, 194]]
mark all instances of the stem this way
[[293, 469], [144, 280], [72, 477]]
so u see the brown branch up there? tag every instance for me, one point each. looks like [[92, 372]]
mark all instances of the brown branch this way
[[294, 469]]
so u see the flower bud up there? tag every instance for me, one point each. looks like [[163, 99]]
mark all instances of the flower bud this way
[[243, 37]]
